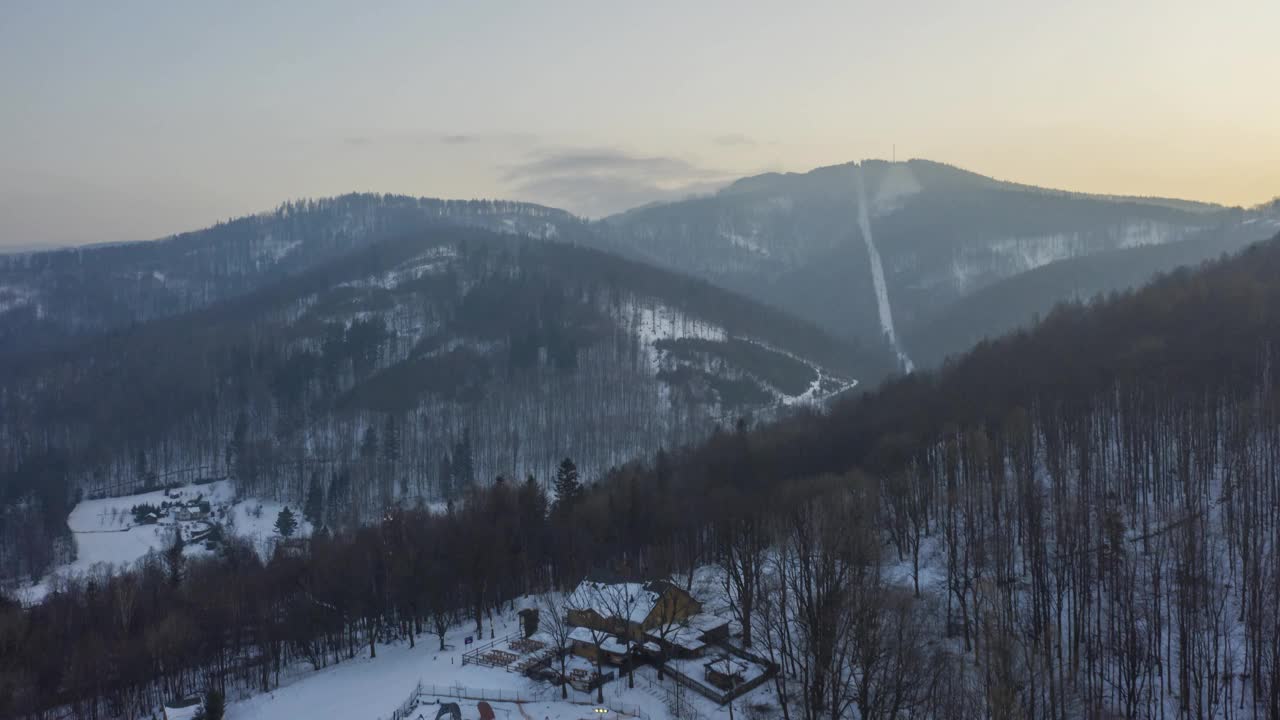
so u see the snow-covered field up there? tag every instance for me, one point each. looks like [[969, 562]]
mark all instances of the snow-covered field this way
[[108, 539]]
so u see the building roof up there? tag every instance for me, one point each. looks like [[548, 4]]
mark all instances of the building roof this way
[[728, 666], [684, 637], [609, 600], [706, 622], [609, 643]]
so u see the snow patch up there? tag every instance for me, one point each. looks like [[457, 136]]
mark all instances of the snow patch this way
[[652, 321], [274, 250], [750, 244], [898, 184], [13, 297]]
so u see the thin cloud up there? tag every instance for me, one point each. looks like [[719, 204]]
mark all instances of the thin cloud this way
[[735, 140], [425, 137], [602, 181]]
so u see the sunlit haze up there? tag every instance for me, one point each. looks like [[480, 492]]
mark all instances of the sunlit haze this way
[[128, 121]]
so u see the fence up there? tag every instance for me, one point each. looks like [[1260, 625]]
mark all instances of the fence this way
[[478, 655], [770, 670], [675, 700], [722, 697], [624, 709], [408, 705], [459, 692], [469, 693], [710, 693]]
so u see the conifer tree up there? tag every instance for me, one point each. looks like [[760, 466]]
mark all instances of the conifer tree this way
[[286, 523], [464, 470], [568, 488]]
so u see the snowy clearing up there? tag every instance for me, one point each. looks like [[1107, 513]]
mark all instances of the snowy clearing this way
[[373, 689], [108, 538]]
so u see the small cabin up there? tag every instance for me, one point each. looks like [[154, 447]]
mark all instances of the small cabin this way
[[529, 621], [726, 673]]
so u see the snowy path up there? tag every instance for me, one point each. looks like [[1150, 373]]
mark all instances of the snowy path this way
[[877, 277]]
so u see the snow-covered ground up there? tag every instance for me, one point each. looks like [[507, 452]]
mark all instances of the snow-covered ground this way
[[897, 185], [750, 243], [371, 689], [877, 279], [107, 538], [651, 321]]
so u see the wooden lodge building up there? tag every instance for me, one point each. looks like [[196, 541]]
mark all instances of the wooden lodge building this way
[[659, 618]]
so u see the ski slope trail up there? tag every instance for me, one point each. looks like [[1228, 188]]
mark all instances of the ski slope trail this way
[[877, 277]]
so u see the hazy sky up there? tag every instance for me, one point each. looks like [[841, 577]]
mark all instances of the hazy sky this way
[[131, 120]]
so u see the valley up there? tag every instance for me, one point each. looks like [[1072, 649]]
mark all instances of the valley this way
[[352, 450]]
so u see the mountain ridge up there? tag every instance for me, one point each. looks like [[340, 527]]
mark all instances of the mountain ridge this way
[[790, 240]]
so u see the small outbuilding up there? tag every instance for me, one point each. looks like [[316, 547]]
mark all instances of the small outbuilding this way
[[726, 673]]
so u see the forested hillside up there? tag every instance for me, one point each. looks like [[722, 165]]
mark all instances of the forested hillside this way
[[48, 299], [889, 253], [1079, 520], [1015, 301], [402, 373]]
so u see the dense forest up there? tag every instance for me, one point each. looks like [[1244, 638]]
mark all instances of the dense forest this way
[[1088, 514], [401, 373], [53, 298], [1016, 301]]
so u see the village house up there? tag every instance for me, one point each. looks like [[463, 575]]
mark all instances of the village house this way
[[629, 608], [658, 617], [613, 650]]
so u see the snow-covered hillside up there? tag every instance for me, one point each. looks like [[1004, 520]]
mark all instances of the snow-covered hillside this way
[[876, 249]]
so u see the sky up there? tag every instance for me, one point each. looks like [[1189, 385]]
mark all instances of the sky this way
[[132, 120]]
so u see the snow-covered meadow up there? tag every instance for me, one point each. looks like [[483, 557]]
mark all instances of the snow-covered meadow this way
[[108, 538]]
